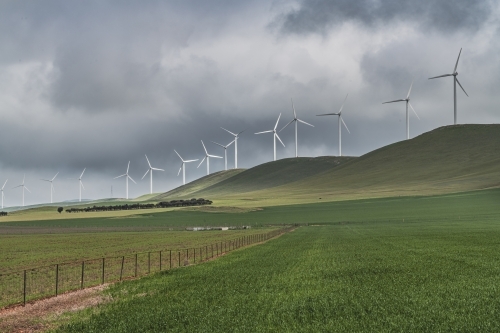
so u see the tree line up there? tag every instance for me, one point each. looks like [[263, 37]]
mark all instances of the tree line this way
[[163, 204], [3, 213]]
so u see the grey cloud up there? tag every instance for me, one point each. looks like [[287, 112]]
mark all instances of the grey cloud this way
[[318, 16]]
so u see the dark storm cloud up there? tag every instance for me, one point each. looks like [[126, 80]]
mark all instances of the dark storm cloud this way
[[318, 16]]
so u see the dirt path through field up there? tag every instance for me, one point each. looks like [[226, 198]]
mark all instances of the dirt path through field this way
[[45, 314]]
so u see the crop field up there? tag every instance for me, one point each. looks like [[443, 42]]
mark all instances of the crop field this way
[[425, 276]]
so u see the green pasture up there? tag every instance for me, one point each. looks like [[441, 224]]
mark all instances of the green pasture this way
[[432, 274]]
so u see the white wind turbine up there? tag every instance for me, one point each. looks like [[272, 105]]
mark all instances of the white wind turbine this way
[[236, 136], [225, 151], [275, 135], [2, 191], [150, 170], [207, 156], [127, 177], [407, 100], [340, 121], [80, 184], [23, 186], [455, 81], [296, 120], [183, 167], [51, 185]]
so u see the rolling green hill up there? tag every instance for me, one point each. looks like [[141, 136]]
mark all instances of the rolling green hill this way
[[261, 177], [445, 160]]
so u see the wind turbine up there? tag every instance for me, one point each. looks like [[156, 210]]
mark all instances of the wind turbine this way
[[80, 184], [207, 156], [340, 121], [150, 170], [127, 177], [296, 120], [407, 100], [51, 185], [183, 167], [225, 151], [235, 146], [275, 135], [455, 81], [2, 191], [23, 186]]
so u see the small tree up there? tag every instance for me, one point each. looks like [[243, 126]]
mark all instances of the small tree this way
[[60, 209]]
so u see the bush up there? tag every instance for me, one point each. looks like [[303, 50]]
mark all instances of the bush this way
[[59, 210]]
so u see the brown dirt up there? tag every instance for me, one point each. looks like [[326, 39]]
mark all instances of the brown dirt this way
[[44, 314]]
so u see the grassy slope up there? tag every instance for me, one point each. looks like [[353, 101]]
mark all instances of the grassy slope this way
[[264, 176]]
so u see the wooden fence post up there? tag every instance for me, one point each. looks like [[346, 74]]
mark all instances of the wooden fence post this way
[[136, 265], [102, 280], [121, 270], [83, 272], [24, 289], [57, 279]]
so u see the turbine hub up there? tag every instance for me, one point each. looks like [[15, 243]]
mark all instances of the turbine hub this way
[[455, 74]]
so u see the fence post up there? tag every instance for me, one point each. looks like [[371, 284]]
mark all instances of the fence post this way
[[149, 262], [160, 261], [83, 272], [121, 270], [187, 254], [212, 246], [179, 262], [24, 289], [206, 251], [216, 249], [136, 265], [57, 279], [102, 271], [170, 259], [194, 250]]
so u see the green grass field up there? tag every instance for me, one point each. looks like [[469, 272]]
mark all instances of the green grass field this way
[[439, 275]]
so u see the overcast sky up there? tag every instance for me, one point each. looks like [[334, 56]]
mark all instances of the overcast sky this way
[[95, 84]]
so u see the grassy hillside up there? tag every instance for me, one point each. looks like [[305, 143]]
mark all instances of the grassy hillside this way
[[261, 177]]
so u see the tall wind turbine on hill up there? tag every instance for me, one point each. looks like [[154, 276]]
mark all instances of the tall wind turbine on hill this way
[[236, 136], [80, 184], [340, 121], [296, 120], [150, 170], [127, 177], [275, 135], [407, 100], [183, 167], [207, 157], [2, 191], [455, 81], [24, 187], [225, 151], [51, 181]]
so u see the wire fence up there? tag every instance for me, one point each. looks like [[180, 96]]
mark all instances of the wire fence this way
[[47, 281]]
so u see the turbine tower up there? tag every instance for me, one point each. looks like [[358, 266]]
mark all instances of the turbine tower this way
[[207, 156], [23, 186], [407, 100], [225, 151], [127, 177], [2, 191], [296, 120], [236, 136], [51, 185], [455, 81], [340, 121], [80, 184], [183, 167], [150, 170], [275, 135]]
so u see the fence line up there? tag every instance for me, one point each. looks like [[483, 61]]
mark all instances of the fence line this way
[[36, 283]]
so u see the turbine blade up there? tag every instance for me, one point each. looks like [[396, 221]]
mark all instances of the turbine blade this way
[[229, 131], [398, 100], [27, 189], [17, 186], [191, 161], [204, 147], [264, 132], [461, 86], [456, 65], [415, 112], [342, 120], [128, 167], [435, 77], [45, 180], [4, 184], [287, 125], [81, 183], [131, 179], [145, 174], [178, 173], [214, 156], [241, 132], [277, 121], [147, 160], [230, 143], [303, 122], [203, 160], [343, 103], [120, 176], [178, 155], [409, 91], [55, 176], [157, 169], [293, 107], [328, 114], [83, 172], [279, 139], [218, 144]]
